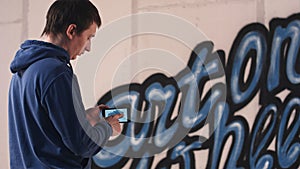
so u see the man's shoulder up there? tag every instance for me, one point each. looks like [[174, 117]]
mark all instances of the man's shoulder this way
[[47, 70], [51, 65]]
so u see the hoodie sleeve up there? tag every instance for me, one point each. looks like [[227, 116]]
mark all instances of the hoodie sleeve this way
[[63, 102]]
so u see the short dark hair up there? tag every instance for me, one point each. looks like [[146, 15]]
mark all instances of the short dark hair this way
[[62, 13]]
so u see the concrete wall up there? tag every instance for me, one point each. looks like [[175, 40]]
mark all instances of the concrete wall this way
[[158, 38]]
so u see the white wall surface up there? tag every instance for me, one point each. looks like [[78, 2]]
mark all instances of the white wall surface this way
[[219, 20]]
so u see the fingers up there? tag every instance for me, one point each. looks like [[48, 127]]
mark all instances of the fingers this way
[[102, 106], [92, 115], [114, 122], [117, 116]]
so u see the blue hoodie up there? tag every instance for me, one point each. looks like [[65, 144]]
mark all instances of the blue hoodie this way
[[47, 125]]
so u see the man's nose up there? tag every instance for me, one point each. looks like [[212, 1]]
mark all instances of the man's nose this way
[[88, 46]]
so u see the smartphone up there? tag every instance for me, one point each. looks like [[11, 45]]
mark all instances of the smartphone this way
[[113, 111]]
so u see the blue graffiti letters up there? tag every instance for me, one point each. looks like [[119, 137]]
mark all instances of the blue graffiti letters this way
[[168, 114], [285, 48], [253, 46], [288, 143], [261, 138], [236, 128]]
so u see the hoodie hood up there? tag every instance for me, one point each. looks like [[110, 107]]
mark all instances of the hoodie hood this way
[[32, 50]]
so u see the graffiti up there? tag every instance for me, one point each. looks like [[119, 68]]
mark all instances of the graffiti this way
[[166, 112]]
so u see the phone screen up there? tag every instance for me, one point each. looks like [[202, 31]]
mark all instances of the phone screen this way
[[113, 111]]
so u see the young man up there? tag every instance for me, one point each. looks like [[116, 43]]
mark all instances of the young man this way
[[48, 125]]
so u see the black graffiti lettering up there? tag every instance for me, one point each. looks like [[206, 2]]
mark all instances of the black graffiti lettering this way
[[262, 135], [288, 141], [249, 46], [271, 57]]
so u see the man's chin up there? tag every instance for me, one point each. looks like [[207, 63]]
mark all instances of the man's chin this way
[[73, 57]]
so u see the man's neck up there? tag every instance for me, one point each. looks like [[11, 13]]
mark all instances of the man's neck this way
[[56, 40]]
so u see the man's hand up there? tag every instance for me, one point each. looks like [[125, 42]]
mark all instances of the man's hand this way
[[114, 122], [92, 115]]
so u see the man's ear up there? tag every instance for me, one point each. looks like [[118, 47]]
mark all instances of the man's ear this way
[[71, 31]]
